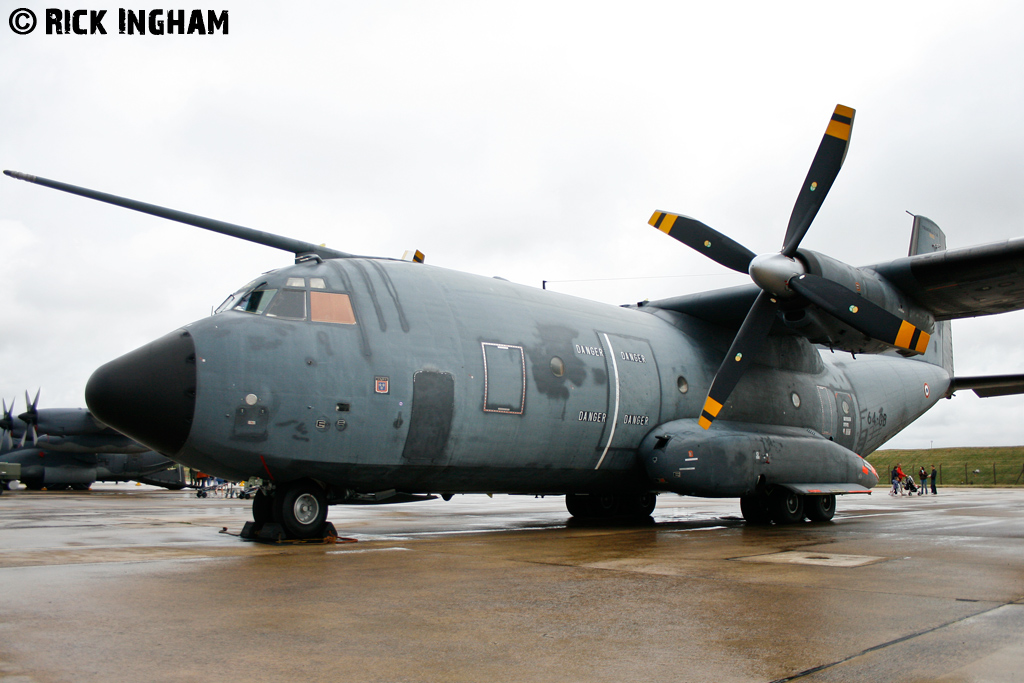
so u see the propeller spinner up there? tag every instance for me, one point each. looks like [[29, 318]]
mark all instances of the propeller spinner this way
[[783, 276]]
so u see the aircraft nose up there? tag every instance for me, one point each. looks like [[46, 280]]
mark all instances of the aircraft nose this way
[[149, 394]]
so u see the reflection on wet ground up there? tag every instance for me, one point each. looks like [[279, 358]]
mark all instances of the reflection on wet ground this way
[[128, 583]]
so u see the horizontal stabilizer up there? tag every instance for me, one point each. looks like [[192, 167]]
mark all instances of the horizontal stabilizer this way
[[991, 385]]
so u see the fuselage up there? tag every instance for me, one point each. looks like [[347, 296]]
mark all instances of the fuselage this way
[[371, 375], [43, 467]]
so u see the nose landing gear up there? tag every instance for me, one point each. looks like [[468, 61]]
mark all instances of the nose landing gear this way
[[295, 510]]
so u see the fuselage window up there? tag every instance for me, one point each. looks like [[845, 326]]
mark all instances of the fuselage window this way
[[329, 307], [289, 304], [317, 283], [295, 282]]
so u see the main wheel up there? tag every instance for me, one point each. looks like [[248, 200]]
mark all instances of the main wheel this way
[[302, 509], [262, 508], [820, 508], [755, 509], [577, 505], [785, 506], [605, 505], [639, 505]]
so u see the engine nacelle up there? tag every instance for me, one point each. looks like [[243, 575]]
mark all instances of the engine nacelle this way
[[821, 328], [735, 458]]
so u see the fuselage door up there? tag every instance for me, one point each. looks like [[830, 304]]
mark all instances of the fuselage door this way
[[634, 395], [846, 408], [828, 412], [430, 422]]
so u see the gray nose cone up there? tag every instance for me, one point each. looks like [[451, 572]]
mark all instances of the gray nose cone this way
[[149, 394]]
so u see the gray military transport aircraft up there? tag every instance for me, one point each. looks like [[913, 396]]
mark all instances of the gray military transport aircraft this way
[[68, 448], [343, 376]]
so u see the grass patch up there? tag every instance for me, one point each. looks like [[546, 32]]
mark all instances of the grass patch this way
[[956, 466]]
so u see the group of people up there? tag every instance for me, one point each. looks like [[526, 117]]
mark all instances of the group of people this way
[[903, 484]]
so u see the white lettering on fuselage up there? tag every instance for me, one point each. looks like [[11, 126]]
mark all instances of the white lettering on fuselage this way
[[635, 419], [635, 357], [589, 350], [591, 416]]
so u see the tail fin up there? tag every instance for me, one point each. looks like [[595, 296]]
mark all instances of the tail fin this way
[[926, 238]]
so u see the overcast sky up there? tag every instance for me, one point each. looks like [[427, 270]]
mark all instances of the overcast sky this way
[[530, 140]]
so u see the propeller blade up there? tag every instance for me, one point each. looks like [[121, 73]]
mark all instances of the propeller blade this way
[[31, 414], [860, 314], [6, 426], [824, 169], [747, 343], [35, 436], [702, 238]]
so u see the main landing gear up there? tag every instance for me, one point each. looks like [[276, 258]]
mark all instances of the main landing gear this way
[[295, 510], [783, 506], [610, 505]]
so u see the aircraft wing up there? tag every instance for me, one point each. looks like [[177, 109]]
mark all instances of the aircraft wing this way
[[726, 307], [962, 283]]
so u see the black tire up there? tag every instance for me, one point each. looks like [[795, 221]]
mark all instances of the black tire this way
[[262, 508], [606, 505], [301, 508], [785, 506], [755, 509], [820, 508], [577, 505], [639, 505]]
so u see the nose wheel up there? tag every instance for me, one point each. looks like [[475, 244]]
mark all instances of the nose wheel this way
[[298, 508]]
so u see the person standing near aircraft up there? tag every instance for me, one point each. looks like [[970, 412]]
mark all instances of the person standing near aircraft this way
[[934, 492], [895, 478], [923, 476]]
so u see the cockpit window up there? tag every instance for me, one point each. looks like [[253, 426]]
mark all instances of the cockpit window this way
[[289, 304], [293, 302], [233, 300], [329, 307], [255, 301]]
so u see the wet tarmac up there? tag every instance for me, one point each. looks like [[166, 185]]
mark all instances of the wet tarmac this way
[[134, 583]]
